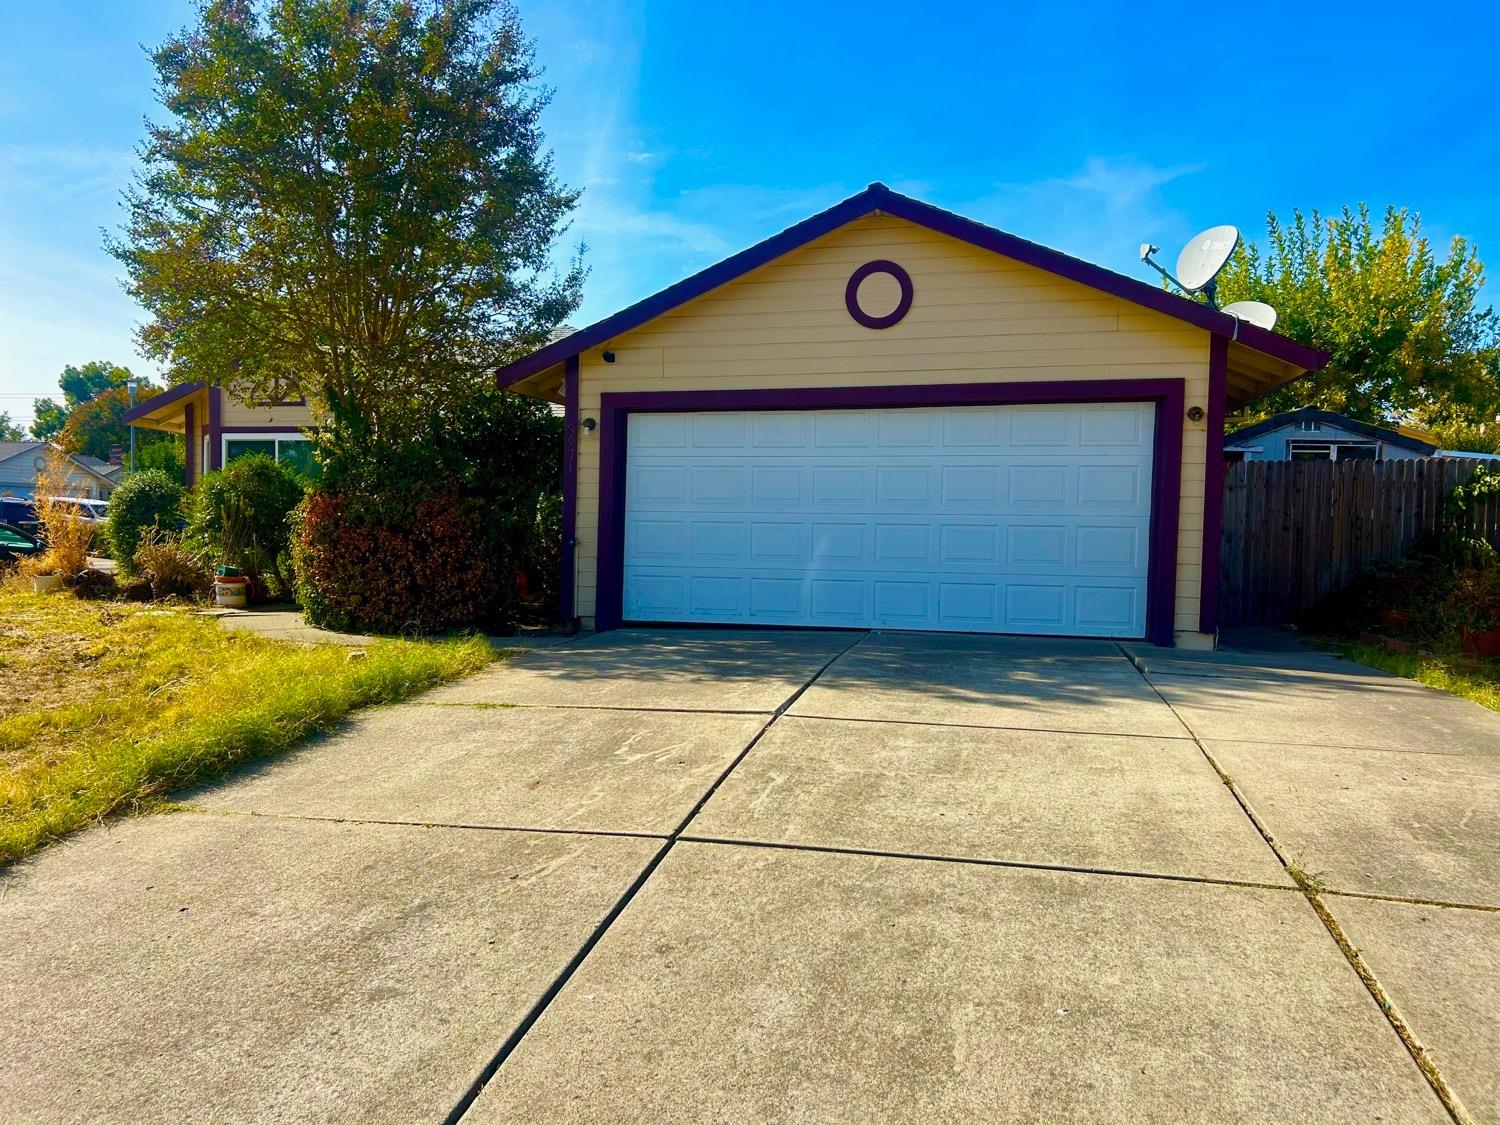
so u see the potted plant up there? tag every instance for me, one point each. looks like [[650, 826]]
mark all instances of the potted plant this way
[[45, 580]]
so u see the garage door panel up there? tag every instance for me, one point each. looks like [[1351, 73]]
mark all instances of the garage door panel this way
[[1014, 519]]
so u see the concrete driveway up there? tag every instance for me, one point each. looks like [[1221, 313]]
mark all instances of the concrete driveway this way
[[703, 876]]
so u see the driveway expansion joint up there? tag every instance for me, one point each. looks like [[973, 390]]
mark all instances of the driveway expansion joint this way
[[592, 707], [984, 861], [1314, 893], [990, 726], [513, 1040], [461, 826]]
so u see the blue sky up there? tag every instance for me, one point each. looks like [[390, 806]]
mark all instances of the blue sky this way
[[696, 129]]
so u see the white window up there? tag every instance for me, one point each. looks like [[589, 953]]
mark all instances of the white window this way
[[291, 449], [1333, 451]]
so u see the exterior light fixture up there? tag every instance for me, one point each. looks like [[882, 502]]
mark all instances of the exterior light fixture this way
[[1195, 414], [609, 356], [589, 424]]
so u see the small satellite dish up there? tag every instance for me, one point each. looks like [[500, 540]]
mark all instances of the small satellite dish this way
[[1200, 261], [1204, 256], [1257, 313]]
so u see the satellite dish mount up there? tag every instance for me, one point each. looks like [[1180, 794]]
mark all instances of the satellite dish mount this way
[[1199, 263]]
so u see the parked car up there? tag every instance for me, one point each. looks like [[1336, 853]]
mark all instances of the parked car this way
[[92, 511], [16, 544], [18, 512]]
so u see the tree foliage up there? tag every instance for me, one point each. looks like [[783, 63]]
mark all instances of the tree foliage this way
[[79, 385], [1408, 335], [9, 431], [95, 427], [350, 198]]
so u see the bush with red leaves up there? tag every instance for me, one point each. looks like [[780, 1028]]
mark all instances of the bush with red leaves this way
[[386, 565]]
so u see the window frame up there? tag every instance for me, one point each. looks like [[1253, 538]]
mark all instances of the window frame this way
[[275, 436], [1333, 446]]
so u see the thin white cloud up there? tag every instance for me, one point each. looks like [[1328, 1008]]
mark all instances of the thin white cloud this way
[[62, 170], [1101, 212]]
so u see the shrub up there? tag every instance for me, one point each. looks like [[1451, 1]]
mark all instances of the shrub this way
[[241, 516], [170, 567], [393, 564], [65, 532], [145, 500], [427, 535], [541, 556], [95, 584]]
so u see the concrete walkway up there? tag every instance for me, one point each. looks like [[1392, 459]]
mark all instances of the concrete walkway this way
[[703, 876]]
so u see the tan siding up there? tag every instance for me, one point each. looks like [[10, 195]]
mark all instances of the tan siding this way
[[235, 413], [976, 317]]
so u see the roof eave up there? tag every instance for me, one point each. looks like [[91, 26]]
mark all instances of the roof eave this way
[[879, 198], [156, 402]]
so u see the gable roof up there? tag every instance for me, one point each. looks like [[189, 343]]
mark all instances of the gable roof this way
[[9, 449], [1406, 437], [156, 402], [878, 197], [100, 469]]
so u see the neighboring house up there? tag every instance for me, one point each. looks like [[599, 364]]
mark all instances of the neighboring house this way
[[1310, 434], [21, 461], [890, 416], [218, 427]]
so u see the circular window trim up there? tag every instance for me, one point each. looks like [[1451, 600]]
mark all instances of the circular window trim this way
[[851, 294]]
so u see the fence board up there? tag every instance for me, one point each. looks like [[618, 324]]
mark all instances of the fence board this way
[[1295, 532]]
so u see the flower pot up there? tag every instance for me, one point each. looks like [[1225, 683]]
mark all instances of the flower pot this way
[[42, 583], [230, 591]]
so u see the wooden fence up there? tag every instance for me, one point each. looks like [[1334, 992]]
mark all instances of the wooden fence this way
[[1295, 532]]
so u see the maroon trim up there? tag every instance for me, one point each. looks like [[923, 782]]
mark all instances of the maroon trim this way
[[1213, 484], [288, 428], [566, 609], [215, 428], [1166, 475], [156, 402], [192, 444], [878, 197], [857, 278]]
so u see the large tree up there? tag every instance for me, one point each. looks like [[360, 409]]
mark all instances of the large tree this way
[[1408, 334], [78, 385], [9, 431], [352, 198], [95, 427]]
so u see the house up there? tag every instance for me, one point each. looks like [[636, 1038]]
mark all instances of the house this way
[[891, 416], [1310, 434], [219, 427], [21, 462]]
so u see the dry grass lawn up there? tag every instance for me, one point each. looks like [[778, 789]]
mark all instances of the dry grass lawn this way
[[107, 708]]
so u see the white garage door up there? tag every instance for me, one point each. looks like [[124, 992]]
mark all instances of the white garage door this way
[[1014, 519]]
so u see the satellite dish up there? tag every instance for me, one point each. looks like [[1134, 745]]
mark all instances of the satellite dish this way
[[1257, 313], [1200, 261], [1204, 256]]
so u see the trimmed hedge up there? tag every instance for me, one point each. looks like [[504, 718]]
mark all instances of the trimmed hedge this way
[[145, 499], [382, 565]]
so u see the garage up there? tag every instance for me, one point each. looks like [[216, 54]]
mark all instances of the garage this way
[[1017, 519], [891, 416]]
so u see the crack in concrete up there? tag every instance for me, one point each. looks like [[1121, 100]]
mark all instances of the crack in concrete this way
[[513, 1040], [1314, 893]]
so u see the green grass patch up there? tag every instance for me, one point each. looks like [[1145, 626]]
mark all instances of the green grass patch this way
[[108, 708], [1474, 679]]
